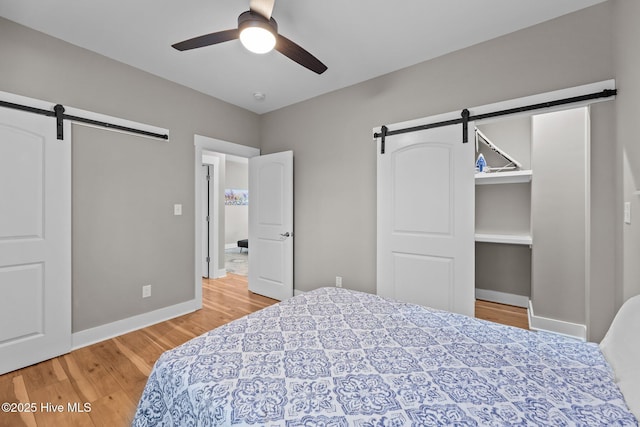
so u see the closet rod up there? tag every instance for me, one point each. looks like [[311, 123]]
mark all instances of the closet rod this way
[[467, 118], [58, 113]]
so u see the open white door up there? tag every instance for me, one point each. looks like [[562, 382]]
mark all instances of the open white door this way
[[35, 240], [426, 196], [271, 225]]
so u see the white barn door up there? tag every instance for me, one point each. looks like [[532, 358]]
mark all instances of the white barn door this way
[[35, 240], [426, 194], [271, 225]]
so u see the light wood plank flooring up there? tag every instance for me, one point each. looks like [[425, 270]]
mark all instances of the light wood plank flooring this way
[[110, 375], [501, 313]]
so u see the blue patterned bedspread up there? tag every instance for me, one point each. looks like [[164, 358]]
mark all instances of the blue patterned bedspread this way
[[334, 357]]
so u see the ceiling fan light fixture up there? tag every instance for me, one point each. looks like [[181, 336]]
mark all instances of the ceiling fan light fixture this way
[[257, 34], [257, 40]]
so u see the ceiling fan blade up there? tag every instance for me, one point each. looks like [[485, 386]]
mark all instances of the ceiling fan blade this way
[[263, 7], [298, 54], [207, 40]]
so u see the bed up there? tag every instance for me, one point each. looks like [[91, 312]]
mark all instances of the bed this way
[[334, 357]]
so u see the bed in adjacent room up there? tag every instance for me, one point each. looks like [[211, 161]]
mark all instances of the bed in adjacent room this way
[[334, 357]]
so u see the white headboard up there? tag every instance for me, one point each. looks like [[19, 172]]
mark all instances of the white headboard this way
[[621, 348]]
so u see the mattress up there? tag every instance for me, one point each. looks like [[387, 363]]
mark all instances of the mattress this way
[[334, 357]]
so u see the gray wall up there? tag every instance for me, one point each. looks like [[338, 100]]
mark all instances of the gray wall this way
[[627, 63], [606, 247], [503, 209], [503, 268], [124, 187], [335, 159]]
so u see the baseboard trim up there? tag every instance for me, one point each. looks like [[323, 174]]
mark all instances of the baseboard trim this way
[[502, 298], [561, 327], [110, 330], [297, 292]]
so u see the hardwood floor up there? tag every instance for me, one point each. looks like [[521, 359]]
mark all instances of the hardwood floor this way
[[110, 375], [501, 313], [106, 380]]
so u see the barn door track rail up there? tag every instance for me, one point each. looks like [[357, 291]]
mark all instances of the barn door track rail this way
[[466, 117], [58, 113]]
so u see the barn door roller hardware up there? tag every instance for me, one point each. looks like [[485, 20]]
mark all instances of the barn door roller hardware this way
[[466, 116], [58, 113]]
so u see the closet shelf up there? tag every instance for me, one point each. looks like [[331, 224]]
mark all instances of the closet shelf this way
[[512, 239], [511, 177]]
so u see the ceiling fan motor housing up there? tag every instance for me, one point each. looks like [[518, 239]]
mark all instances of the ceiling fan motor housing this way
[[251, 19]]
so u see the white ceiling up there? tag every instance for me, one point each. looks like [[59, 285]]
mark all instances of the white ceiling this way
[[356, 39]]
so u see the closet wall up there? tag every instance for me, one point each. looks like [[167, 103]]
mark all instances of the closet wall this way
[[559, 214]]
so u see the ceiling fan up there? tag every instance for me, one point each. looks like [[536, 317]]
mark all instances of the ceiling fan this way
[[258, 32]]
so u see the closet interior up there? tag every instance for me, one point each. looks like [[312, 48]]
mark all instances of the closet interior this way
[[530, 205]]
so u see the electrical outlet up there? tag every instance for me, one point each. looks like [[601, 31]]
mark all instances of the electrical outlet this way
[[146, 291], [338, 282]]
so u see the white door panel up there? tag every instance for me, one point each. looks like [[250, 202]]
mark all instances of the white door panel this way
[[22, 214], [271, 225], [35, 240], [413, 207], [434, 274], [426, 219], [25, 285]]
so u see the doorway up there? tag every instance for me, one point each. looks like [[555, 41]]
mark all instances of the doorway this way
[[236, 215], [225, 214], [216, 151], [270, 217]]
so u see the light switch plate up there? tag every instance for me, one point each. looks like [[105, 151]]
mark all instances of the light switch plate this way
[[177, 209], [627, 212]]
